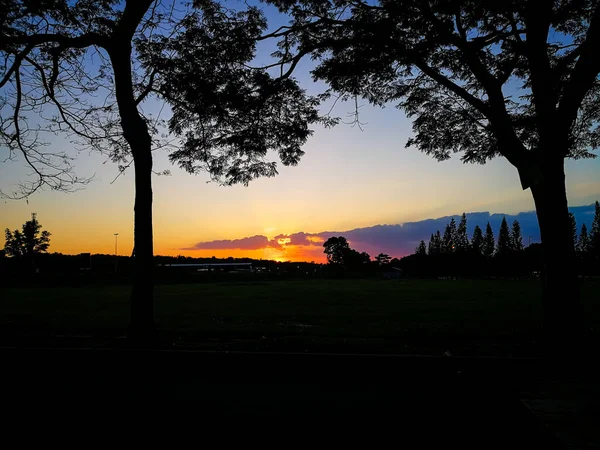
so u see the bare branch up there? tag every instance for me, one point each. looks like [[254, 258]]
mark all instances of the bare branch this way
[[16, 64]]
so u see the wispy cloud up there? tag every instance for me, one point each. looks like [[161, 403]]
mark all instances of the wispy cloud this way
[[396, 240]]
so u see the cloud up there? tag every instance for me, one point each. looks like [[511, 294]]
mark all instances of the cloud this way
[[247, 243], [300, 238], [396, 240]]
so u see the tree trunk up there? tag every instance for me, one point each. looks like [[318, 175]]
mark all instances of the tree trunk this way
[[562, 311], [142, 295], [135, 131]]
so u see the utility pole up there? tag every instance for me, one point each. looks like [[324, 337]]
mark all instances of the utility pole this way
[[116, 251]]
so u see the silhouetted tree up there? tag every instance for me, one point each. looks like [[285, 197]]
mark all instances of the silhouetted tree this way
[[583, 245], [489, 242], [435, 243], [449, 239], [395, 262], [335, 249], [354, 258], [454, 67], [28, 242], [383, 259], [421, 249], [504, 241], [477, 241], [573, 228], [516, 239], [92, 65], [462, 240], [595, 231]]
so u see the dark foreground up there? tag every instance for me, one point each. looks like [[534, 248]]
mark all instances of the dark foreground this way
[[420, 401], [433, 317]]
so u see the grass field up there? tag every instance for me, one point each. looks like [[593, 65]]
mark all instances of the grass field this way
[[413, 316]]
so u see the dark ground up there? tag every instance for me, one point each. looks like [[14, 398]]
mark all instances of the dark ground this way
[[432, 317], [416, 401], [463, 400]]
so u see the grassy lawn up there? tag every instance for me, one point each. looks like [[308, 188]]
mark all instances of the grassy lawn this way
[[412, 316]]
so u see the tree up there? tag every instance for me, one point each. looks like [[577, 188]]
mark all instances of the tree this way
[[383, 259], [517, 79], [449, 239], [336, 249], [421, 249], [28, 242], [573, 228], [477, 240], [462, 240], [595, 231], [356, 258], [516, 239], [435, 243], [583, 245], [489, 242], [504, 241], [91, 67]]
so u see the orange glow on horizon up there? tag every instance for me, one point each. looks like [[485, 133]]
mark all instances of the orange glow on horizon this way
[[294, 253]]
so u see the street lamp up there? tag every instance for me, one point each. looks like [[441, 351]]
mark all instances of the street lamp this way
[[116, 252]]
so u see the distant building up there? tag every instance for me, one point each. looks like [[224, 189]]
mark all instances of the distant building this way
[[393, 273], [214, 267]]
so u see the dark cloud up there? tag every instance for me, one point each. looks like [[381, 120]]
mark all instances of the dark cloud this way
[[398, 240], [247, 243]]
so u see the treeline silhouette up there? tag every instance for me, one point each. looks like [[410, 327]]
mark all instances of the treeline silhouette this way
[[453, 254], [57, 269]]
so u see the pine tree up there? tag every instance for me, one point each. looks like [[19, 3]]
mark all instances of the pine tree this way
[[516, 240], [504, 244], [574, 228], [595, 231], [449, 240], [437, 242], [583, 245], [462, 240], [421, 249], [477, 241], [431, 247], [489, 242]]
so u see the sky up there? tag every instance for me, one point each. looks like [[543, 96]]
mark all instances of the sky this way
[[349, 179]]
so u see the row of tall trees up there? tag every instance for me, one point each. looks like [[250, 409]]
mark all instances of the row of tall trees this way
[[587, 242], [456, 240]]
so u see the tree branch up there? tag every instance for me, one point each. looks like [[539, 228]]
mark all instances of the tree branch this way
[[495, 109], [586, 71], [17, 137], [82, 41], [16, 64], [452, 86], [148, 88], [538, 17]]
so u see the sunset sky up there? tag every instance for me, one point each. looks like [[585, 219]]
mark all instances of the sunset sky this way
[[348, 179]]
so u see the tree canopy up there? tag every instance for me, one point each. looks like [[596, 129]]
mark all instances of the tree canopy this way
[[65, 63], [27, 242], [479, 78]]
